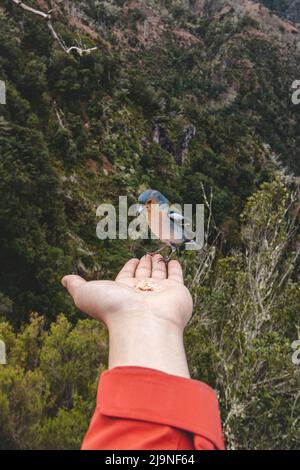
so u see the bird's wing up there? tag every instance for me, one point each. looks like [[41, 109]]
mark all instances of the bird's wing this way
[[178, 219], [176, 216]]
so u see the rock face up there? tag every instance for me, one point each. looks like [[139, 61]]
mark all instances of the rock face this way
[[161, 138], [187, 136], [180, 146]]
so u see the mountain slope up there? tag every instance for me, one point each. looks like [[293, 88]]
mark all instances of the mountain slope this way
[[191, 97], [178, 96], [289, 9]]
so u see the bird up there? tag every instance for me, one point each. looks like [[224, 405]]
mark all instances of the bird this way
[[165, 221]]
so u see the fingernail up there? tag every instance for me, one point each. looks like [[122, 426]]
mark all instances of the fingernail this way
[[64, 282]]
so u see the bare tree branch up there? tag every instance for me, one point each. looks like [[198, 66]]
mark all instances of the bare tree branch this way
[[81, 49], [32, 10]]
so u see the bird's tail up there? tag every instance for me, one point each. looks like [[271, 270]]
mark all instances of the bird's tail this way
[[194, 245]]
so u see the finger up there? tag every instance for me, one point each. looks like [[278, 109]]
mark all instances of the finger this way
[[128, 269], [72, 284], [175, 271], [159, 269], [144, 267]]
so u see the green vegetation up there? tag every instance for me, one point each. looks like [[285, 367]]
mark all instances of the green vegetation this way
[[46, 395], [286, 8], [246, 317], [78, 131]]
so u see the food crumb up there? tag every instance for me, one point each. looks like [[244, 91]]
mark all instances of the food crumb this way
[[146, 286]]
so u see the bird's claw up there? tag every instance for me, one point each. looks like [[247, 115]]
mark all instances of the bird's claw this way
[[165, 259], [162, 258]]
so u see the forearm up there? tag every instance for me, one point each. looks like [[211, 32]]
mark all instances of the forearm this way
[[146, 400], [155, 344]]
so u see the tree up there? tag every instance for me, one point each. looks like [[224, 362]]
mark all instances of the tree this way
[[241, 334], [48, 387]]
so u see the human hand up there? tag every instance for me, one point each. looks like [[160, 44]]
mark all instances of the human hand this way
[[127, 299], [145, 326]]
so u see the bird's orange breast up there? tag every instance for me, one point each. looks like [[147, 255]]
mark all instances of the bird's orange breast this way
[[160, 224]]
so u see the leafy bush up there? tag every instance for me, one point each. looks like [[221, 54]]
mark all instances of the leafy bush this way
[[48, 387]]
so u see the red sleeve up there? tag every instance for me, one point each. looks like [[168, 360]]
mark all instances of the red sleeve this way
[[140, 408]]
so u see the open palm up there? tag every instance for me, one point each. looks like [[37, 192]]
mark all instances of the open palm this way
[[143, 288]]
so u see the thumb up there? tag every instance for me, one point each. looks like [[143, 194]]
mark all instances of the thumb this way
[[72, 283]]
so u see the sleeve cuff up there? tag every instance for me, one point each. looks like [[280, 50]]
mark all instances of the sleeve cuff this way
[[149, 395]]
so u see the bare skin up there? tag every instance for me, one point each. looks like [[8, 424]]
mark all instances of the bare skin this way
[[145, 310]]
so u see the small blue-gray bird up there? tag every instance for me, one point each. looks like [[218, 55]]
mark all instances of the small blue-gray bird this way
[[165, 221]]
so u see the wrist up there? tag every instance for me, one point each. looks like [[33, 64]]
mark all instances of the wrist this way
[[147, 342]]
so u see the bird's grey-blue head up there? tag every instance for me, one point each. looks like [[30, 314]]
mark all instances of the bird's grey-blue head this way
[[152, 196]]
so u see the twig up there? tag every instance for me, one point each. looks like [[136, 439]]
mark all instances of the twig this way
[[47, 17]]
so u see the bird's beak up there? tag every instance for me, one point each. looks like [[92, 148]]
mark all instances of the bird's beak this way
[[140, 208]]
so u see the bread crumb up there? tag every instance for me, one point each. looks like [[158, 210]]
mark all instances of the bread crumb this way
[[146, 286]]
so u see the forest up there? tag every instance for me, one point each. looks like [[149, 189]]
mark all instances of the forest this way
[[109, 98]]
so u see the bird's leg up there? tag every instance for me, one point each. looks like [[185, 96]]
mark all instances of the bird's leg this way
[[157, 251], [173, 250]]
